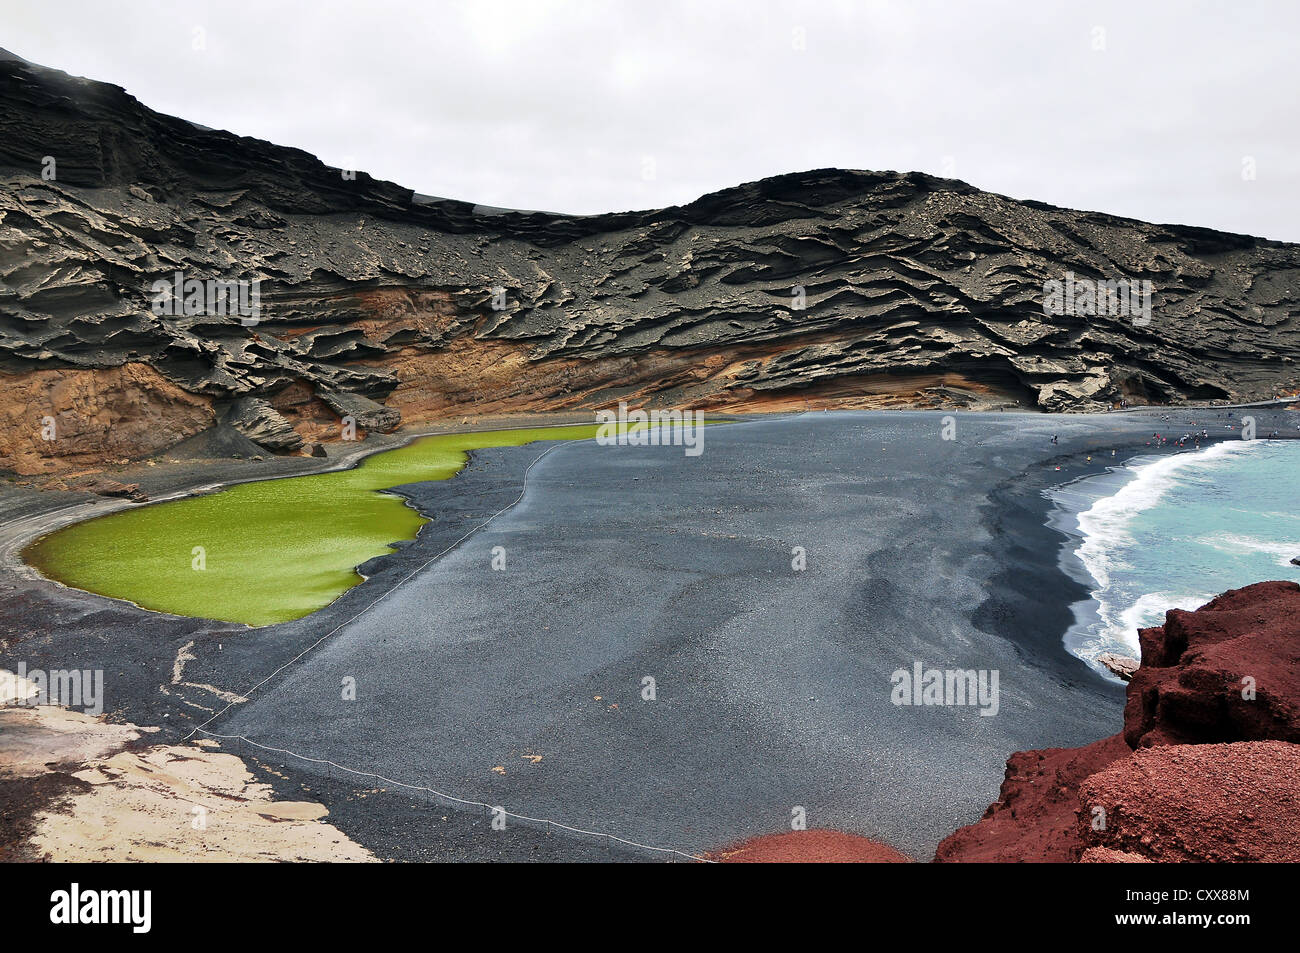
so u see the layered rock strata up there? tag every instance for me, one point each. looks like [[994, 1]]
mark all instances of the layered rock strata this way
[[330, 296]]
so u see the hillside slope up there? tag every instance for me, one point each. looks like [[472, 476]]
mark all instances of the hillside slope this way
[[376, 302]]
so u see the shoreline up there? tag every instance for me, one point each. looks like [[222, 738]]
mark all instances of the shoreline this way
[[335, 521], [1044, 653], [1033, 501], [1082, 497]]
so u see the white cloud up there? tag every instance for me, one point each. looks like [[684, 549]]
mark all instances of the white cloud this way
[[556, 105]]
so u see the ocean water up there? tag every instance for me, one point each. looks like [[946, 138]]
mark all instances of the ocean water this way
[[1173, 531]]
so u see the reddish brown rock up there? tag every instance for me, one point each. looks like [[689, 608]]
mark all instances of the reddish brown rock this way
[[1035, 818], [1230, 671], [71, 419], [1198, 803], [1213, 714], [1104, 855], [816, 846]]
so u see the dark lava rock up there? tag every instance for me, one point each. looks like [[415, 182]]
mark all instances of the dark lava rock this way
[[262, 423], [367, 414], [112, 488], [215, 443], [853, 287]]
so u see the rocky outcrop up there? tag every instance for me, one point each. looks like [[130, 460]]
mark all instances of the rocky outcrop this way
[[1198, 803], [260, 422], [1206, 768], [79, 788], [114, 488], [1230, 671], [1036, 816], [367, 414], [823, 288], [1121, 666]]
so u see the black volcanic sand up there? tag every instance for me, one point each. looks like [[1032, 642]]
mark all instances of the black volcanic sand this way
[[773, 686]]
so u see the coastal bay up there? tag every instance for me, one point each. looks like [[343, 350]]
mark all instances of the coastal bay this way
[[772, 683]]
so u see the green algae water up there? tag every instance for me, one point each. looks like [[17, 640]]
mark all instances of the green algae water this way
[[272, 550]]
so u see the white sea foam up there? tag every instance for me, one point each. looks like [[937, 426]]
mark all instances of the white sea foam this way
[[1150, 610], [1282, 553], [1104, 525], [1106, 544]]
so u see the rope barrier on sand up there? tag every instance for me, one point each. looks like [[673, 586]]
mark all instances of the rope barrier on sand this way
[[417, 787], [464, 802], [384, 595]]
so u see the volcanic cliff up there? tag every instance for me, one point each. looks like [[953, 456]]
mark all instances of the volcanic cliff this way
[[1207, 767], [823, 288]]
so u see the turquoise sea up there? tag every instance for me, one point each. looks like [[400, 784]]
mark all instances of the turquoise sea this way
[[1174, 530]]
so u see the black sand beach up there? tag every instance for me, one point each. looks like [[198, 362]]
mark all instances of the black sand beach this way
[[523, 687]]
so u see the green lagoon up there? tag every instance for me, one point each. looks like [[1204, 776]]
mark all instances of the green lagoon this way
[[273, 550]]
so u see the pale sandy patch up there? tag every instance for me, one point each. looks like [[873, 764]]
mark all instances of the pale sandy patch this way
[[15, 690], [34, 738], [161, 803]]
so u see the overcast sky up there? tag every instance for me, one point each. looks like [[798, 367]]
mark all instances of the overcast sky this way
[[1161, 110]]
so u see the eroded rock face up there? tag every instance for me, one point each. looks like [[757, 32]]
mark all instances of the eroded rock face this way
[[1036, 816], [114, 488], [1201, 771], [1230, 671], [823, 288], [260, 422], [59, 420]]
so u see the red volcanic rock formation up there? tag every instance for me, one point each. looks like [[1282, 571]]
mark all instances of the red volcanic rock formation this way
[[1230, 671], [1104, 855], [1035, 818], [1206, 768], [816, 846], [1219, 803]]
